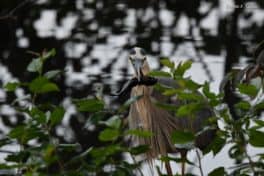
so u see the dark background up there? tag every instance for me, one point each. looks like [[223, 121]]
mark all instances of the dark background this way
[[111, 28]]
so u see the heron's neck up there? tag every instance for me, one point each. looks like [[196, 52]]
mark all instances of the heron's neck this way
[[142, 89]]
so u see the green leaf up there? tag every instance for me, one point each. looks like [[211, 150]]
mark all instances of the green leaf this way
[[130, 101], [57, 115], [188, 109], [89, 105], [182, 68], [190, 84], [256, 138], [113, 122], [51, 74], [17, 157], [24, 133], [109, 135], [38, 115], [169, 107], [94, 119], [35, 65], [139, 149], [248, 89], [182, 137], [216, 145], [49, 54], [259, 122], [49, 154], [167, 63], [171, 92], [5, 141], [11, 86], [243, 105], [206, 91], [259, 106], [100, 154], [10, 166], [69, 147], [159, 74], [161, 88], [42, 85], [189, 96], [139, 133], [220, 171], [75, 159]]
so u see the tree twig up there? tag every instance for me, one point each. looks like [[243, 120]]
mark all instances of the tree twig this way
[[7, 151], [200, 163], [134, 160], [251, 163], [10, 15]]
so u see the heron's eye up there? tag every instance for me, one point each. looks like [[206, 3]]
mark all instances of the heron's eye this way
[[130, 58], [145, 58]]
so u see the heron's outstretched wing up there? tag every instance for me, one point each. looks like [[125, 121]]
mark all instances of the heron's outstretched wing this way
[[167, 82], [195, 124]]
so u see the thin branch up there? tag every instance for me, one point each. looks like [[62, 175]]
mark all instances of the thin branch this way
[[10, 15], [251, 163], [7, 151], [204, 65], [134, 160], [200, 163], [199, 54]]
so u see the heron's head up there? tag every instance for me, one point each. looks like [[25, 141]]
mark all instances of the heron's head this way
[[138, 59]]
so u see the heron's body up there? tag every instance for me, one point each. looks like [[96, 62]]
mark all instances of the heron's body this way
[[143, 115], [146, 115]]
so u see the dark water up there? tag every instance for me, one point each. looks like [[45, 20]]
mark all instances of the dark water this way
[[92, 39]]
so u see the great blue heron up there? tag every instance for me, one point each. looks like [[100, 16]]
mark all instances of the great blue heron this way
[[145, 115]]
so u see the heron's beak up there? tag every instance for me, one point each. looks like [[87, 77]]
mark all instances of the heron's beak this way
[[138, 63]]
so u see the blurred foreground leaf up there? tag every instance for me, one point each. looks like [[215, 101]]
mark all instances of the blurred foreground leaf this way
[[35, 65], [11, 86], [220, 171], [51, 74], [89, 105], [167, 63], [182, 68], [42, 85], [256, 138], [248, 89], [181, 137], [159, 74], [57, 115], [139, 133], [109, 135]]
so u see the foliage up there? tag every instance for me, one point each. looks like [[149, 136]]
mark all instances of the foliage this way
[[41, 152], [240, 134]]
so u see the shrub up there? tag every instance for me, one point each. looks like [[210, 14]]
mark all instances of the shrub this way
[[41, 152]]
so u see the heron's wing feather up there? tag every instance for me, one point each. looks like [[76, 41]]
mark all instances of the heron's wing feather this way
[[194, 124], [168, 82]]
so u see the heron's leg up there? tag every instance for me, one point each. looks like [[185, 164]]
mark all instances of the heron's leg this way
[[183, 157], [168, 168]]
